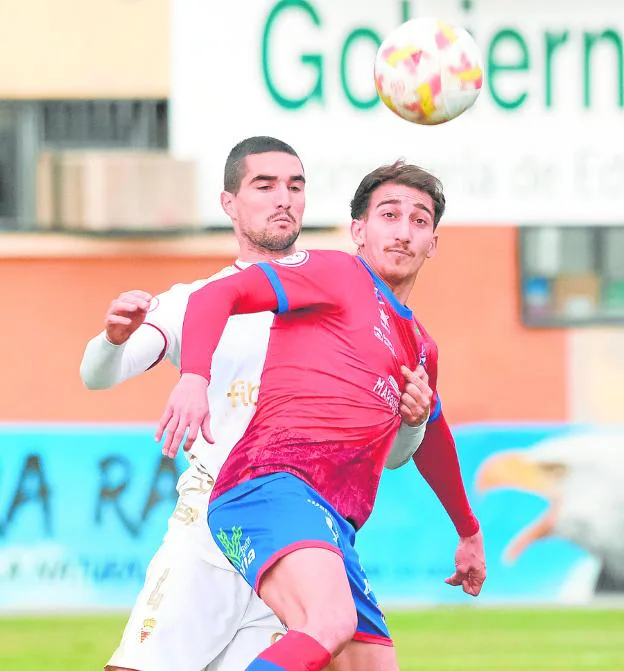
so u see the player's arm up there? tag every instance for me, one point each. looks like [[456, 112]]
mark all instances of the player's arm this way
[[210, 307], [260, 288], [105, 364], [438, 462], [414, 409], [126, 347]]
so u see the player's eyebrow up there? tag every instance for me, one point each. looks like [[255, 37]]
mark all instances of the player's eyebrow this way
[[273, 178], [388, 201], [396, 201]]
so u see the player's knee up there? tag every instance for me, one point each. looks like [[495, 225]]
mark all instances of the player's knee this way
[[335, 627]]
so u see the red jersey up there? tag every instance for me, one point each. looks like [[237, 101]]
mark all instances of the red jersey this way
[[328, 407]]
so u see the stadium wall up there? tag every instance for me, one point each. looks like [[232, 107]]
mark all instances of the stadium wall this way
[[492, 367]]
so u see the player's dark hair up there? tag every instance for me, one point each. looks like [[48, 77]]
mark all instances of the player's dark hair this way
[[235, 164], [404, 174]]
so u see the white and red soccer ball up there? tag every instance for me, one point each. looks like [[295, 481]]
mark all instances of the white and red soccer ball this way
[[428, 71]]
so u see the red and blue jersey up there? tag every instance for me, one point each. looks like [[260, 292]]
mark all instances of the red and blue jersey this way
[[328, 408]]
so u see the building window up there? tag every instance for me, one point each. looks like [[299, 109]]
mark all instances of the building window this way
[[572, 275], [9, 166], [79, 124], [28, 128]]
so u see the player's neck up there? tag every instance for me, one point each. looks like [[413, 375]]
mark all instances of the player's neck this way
[[403, 289], [256, 254], [400, 288]]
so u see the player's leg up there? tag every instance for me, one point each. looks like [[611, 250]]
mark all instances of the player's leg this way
[[371, 648], [188, 609], [186, 613], [308, 589], [259, 629], [358, 656], [282, 537]]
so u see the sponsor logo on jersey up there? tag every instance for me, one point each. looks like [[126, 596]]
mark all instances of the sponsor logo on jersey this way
[[380, 335], [385, 319], [243, 392], [240, 555], [422, 360], [385, 391], [294, 260], [379, 297], [185, 514], [330, 524], [328, 519]]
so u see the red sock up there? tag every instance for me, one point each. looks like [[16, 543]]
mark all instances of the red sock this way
[[297, 652]]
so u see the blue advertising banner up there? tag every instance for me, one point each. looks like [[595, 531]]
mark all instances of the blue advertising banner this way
[[84, 507]]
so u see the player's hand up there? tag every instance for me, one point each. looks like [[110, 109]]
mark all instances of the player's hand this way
[[187, 408], [469, 565], [416, 397], [125, 314]]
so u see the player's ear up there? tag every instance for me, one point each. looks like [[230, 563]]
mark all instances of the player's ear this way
[[357, 231], [433, 246], [228, 205]]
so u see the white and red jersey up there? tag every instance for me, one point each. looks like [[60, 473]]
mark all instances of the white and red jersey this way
[[237, 364], [328, 408]]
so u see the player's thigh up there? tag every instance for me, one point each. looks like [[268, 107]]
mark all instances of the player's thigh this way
[[186, 613], [358, 656], [308, 584], [259, 629], [283, 538]]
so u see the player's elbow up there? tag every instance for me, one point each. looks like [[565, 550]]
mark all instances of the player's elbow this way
[[92, 382], [393, 462], [405, 445]]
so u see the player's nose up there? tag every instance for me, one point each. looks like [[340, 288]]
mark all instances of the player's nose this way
[[282, 195], [402, 230]]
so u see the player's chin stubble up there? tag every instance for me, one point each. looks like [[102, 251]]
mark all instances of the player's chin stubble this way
[[274, 241]]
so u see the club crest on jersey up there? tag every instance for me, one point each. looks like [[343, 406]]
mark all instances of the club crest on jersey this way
[[146, 629], [294, 260]]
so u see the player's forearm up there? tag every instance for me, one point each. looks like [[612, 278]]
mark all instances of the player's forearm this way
[[105, 365], [437, 461], [210, 307], [405, 444]]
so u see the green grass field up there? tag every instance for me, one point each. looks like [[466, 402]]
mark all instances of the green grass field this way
[[441, 639]]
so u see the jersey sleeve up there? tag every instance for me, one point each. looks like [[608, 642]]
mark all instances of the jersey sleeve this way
[[308, 279], [105, 365], [437, 458], [298, 282], [166, 315]]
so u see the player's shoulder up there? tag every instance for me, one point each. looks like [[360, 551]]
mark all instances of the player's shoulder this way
[[182, 290], [313, 256], [425, 336]]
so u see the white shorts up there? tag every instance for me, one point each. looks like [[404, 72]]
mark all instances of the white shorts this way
[[194, 612]]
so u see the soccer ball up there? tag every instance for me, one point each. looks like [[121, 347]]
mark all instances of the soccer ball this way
[[428, 71]]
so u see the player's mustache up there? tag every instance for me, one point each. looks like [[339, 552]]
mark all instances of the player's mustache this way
[[400, 248], [281, 215]]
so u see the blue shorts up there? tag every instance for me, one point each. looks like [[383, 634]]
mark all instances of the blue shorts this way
[[260, 521]]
